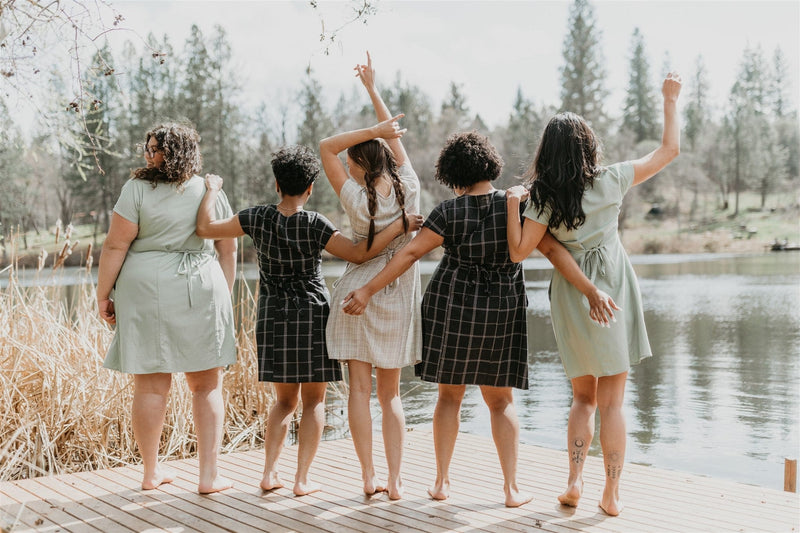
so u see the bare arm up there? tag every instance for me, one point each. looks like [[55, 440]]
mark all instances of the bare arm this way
[[121, 234], [523, 235], [207, 225], [425, 241], [366, 73], [652, 163], [226, 252], [330, 147], [344, 248], [601, 305]]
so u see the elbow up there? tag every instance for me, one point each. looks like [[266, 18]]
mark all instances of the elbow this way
[[202, 232], [325, 145], [516, 257]]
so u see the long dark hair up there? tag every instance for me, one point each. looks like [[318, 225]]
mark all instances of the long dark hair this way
[[377, 159], [566, 164], [180, 144]]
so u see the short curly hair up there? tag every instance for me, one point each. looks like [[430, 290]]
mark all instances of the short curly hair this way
[[466, 159], [180, 144], [295, 168]]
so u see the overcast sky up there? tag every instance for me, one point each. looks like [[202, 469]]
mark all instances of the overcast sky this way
[[488, 47]]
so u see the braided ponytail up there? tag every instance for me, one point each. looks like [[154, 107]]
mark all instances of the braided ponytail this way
[[372, 204]]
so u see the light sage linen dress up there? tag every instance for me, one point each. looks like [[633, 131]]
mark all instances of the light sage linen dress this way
[[586, 348], [389, 333], [171, 299]]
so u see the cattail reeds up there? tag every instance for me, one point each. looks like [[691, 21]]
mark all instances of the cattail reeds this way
[[61, 411]]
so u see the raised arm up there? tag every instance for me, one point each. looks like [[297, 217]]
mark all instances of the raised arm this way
[[601, 305], [366, 73], [344, 248], [121, 234], [522, 237], [330, 147], [425, 241], [652, 163], [207, 225]]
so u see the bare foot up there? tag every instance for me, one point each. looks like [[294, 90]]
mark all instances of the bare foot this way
[[515, 498], [440, 490], [372, 485], [301, 489], [610, 502], [271, 481], [159, 477], [219, 483], [395, 490], [572, 495]]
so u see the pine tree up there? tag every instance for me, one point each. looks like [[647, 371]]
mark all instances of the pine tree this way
[[583, 75], [639, 114], [315, 126]]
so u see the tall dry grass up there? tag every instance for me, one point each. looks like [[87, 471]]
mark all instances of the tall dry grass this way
[[61, 411]]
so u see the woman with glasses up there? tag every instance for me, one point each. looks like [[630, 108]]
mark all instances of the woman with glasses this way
[[172, 298]]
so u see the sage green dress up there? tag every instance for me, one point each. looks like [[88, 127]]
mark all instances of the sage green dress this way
[[171, 299], [585, 347]]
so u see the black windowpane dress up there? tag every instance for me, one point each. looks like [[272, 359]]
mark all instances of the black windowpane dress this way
[[293, 301], [473, 310]]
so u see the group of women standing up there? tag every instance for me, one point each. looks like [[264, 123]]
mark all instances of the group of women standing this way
[[469, 328]]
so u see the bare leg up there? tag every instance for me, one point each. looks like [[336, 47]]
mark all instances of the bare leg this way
[[505, 431], [610, 396], [150, 394], [311, 425], [580, 431], [287, 396], [446, 421], [209, 413], [360, 420], [393, 426]]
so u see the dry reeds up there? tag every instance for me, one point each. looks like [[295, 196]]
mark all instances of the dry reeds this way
[[61, 411]]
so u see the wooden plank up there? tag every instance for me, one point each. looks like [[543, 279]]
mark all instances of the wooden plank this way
[[111, 500]]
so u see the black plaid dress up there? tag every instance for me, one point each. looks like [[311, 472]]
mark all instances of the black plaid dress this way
[[293, 301], [473, 310]]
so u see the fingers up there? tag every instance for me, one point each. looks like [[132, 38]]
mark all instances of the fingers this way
[[397, 117], [369, 60]]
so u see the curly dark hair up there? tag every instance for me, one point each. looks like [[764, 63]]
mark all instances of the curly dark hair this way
[[180, 144], [566, 164], [377, 159], [466, 159], [295, 168]]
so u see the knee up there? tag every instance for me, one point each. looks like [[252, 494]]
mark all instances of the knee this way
[[285, 405], [205, 381], [499, 404], [387, 395], [588, 401], [451, 397]]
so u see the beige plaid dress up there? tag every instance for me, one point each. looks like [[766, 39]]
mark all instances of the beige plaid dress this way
[[389, 333]]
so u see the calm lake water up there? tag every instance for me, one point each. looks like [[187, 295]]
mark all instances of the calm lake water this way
[[721, 395]]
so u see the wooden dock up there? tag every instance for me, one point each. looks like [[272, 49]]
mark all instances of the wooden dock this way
[[656, 500]]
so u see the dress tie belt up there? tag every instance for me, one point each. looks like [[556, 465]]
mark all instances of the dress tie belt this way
[[189, 264], [287, 290]]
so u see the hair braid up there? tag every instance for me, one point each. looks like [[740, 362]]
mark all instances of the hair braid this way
[[372, 204], [400, 194]]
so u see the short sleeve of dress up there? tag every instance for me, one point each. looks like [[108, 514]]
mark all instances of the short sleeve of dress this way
[[409, 178], [532, 213], [130, 200], [248, 219], [350, 195], [623, 172], [322, 230], [436, 221], [223, 207]]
